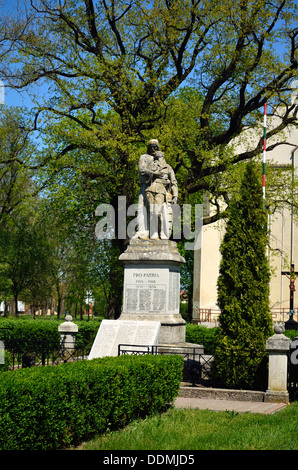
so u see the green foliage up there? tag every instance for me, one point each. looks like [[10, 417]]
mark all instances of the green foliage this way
[[7, 361], [86, 334], [54, 407], [40, 335], [243, 290], [26, 253], [203, 430], [16, 186], [291, 334], [29, 335], [208, 337], [202, 335], [192, 74]]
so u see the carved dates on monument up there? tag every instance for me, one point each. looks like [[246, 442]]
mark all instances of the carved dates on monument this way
[[151, 289]]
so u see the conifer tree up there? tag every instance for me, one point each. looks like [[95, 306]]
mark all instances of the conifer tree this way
[[243, 290]]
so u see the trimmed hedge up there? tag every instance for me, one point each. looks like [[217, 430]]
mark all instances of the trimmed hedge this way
[[87, 333], [20, 335], [207, 336], [40, 334], [202, 335], [54, 407]]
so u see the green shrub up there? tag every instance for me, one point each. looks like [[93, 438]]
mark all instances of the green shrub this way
[[86, 334], [20, 335], [42, 334], [240, 357], [291, 334], [48, 408], [202, 335], [207, 336], [7, 362]]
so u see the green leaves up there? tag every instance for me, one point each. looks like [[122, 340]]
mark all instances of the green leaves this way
[[243, 289], [53, 407], [115, 72], [193, 74]]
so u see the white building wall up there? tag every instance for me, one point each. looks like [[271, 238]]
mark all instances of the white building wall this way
[[280, 241]]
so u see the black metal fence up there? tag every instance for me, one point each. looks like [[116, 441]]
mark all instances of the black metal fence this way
[[20, 354], [30, 358], [196, 368]]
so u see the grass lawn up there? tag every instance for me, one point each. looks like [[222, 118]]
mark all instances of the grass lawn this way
[[190, 429]]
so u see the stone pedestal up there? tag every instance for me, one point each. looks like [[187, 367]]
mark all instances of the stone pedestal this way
[[68, 331], [278, 346], [152, 287]]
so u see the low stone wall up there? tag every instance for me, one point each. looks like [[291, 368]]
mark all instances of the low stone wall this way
[[221, 394]]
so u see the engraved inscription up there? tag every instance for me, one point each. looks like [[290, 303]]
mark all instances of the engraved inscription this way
[[159, 300], [146, 289], [114, 332], [145, 300], [146, 297], [174, 291], [104, 344], [131, 299]]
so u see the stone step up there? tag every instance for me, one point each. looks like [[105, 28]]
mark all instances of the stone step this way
[[237, 406], [220, 393]]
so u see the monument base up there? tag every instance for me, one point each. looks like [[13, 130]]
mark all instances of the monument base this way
[[183, 348], [152, 287], [172, 327]]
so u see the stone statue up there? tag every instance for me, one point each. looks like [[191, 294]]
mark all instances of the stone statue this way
[[158, 191]]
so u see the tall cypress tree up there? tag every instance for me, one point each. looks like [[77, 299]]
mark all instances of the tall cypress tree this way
[[243, 290]]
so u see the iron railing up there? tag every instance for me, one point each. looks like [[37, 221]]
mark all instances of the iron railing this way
[[196, 367], [30, 358], [211, 315], [38, 353]]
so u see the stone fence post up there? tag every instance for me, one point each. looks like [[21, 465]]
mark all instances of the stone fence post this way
[[68, 331], [278, 347]]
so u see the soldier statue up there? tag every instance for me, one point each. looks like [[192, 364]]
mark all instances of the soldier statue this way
[[158, 191]]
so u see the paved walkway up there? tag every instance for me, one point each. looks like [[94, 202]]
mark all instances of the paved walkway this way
[[228, 405]]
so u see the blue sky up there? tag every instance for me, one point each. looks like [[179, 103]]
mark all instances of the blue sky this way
[[13, 97]]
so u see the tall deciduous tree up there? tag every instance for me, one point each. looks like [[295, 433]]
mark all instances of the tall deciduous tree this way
[[112, 65], [25, 257], [15, 152], [243, 289], [22, 248]]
